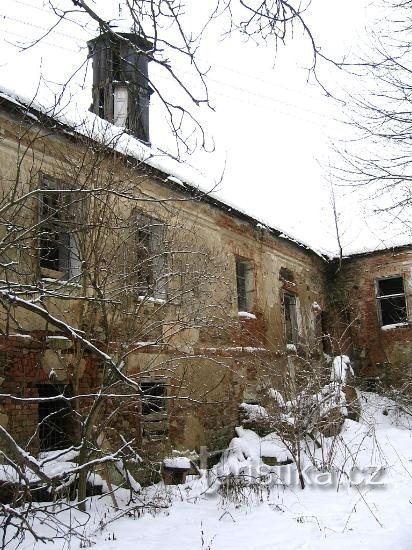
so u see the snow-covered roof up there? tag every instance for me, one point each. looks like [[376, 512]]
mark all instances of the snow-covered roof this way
[[364, 240], [177, 173]]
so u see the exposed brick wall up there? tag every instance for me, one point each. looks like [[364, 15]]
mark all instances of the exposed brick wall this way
[[379, 352], [22, 374]]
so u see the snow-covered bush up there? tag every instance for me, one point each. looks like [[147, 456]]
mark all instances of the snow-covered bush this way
[[315, 412]]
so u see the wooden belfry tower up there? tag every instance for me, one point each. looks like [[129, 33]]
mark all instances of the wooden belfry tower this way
[[121, 91]]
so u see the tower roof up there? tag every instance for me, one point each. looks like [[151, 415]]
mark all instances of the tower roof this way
[[136, 39]]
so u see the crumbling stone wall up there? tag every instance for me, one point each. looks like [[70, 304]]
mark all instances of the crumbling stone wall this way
[[224, 365]]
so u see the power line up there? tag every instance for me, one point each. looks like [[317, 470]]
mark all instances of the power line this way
[[29, 5], [258, 95], [238, 97], [226, 67], [276, 110], [259, 78], [238, 88], [217, 81], [223, 66], [39, 27], [43, 41]]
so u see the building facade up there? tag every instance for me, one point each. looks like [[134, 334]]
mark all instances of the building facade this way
[[137, 308]]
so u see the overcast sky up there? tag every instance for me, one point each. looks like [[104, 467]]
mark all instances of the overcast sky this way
[[271, 127]]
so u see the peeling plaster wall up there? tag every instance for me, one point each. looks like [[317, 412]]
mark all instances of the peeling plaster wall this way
[[210, 370]]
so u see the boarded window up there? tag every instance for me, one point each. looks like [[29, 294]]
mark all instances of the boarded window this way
[[59, 231], [245, 285], [391, 301], [290, 318]]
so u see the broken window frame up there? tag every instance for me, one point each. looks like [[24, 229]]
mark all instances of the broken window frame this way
[[153, 402], [244, 285], [101, 103], [399, 297], [58, 250], [145, 258], [290, 317], [116, 60], [154, 421]]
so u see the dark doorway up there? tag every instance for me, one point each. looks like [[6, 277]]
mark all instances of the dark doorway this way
[[55, 417]]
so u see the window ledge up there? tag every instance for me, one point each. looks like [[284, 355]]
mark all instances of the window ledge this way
[[151, 300], [59, 281], [246, 315], [396, 325], [51, 274], [156, 416]]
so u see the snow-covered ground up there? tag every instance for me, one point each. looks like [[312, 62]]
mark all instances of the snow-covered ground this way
[[336, 516]]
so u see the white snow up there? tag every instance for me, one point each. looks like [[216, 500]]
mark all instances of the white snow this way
[[90, 125], [246, 315], [151, 299], [52, 463], [178, 462], [291, 348], [373, 233], [329, 513], [253, 412], [394, 325], [341, 368], [175, 180], [181, 173], [277, 396]]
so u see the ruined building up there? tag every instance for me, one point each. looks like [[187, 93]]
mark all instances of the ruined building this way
[[153, 307]]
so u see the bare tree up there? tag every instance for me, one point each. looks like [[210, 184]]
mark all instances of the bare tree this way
[[377, 156], [97, 269], [103, 285], [172, 34]]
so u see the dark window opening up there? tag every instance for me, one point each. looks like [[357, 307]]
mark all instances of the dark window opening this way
[[153, 400], [58, 248], [146, 259], [116, 62], [145, 275], [326, 337], [241, 269], [55, 418], [286, 274], [101, 105], [391, 301], [388, 287], [50, 239], [244, 284], [290, 317]]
